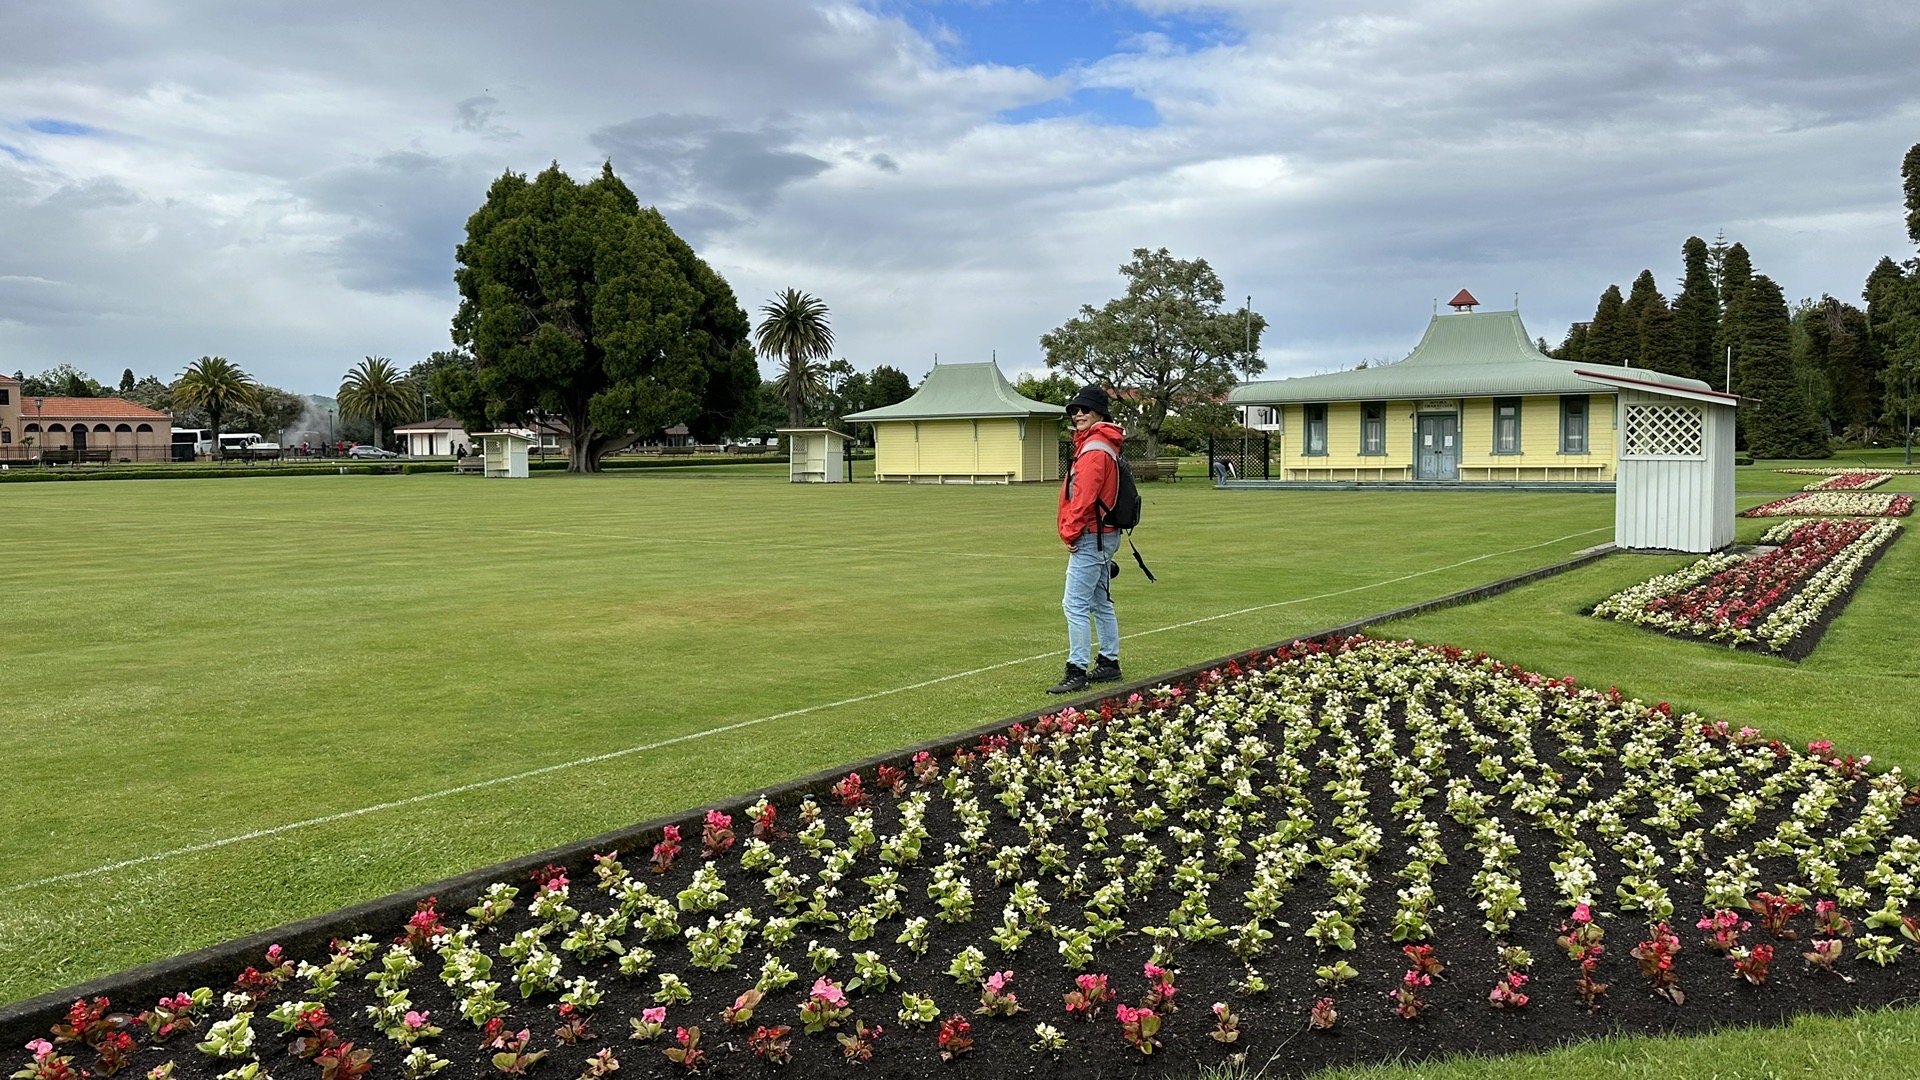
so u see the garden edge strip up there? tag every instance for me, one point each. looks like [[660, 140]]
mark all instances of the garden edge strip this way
[[26, 1019]]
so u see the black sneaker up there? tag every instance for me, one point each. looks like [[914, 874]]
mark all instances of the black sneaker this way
[[1074, 681], [1105, 669]]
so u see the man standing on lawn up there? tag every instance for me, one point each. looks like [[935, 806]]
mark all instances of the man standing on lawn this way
[[1090, 488]]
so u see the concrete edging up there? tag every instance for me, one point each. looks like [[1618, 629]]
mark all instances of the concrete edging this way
[[216, 965]]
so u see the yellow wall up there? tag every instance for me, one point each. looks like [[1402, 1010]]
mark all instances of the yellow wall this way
[[1539, 440], [987, 450], [1540, 457]]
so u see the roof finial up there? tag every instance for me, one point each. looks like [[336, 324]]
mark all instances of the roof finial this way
[[1463, 301]]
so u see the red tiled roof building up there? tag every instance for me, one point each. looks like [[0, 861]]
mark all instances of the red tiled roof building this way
[[79, 429]]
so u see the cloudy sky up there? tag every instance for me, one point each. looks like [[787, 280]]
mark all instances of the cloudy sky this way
[[284, 183]]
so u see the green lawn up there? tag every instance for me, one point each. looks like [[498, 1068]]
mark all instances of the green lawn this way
[[1763, 476], [192, 662]]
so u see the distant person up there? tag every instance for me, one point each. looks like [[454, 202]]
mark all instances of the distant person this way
[[1092, 484]]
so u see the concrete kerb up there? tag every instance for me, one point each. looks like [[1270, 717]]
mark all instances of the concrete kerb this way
[[216, 965]]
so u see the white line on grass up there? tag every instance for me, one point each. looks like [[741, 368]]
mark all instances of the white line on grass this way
[[478, 785]]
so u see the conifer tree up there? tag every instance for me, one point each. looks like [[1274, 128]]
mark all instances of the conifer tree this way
[[1736, 269], [1837, 346], [1606, 340], [1910, 183], [1659, 339], [1696, 316], [1632, 313], [1776, 418], [1574, 346]]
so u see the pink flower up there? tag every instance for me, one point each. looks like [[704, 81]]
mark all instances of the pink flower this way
[[827, 990], [274, 953], [718, 820], [998, 981], [655, 1015], [1127, 1013], [416, 1020], [42, 1049], [1582, 913]]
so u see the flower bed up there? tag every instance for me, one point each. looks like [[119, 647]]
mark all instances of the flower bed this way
[[1835, 504], [1777, 601], [1360, 851], [1837, 472], [1849, 481]]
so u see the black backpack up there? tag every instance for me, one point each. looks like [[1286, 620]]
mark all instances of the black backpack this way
[[1124, 514]]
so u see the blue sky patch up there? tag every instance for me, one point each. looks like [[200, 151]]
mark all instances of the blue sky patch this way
[[1047, 36], [58, 127], [1114, 107], [14, 152]]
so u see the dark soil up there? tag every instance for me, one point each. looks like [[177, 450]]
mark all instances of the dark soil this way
[[1274, 1024]]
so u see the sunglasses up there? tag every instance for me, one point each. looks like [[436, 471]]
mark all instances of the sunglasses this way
[[1076, 410]]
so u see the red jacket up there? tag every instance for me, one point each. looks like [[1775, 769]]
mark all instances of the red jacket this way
[[1092, 475]]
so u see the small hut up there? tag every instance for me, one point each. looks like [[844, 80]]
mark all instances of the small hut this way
[[965, 425], [815, 455], [1675, 489], [505, 453]]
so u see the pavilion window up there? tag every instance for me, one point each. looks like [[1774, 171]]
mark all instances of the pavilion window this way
[[6, 396], [1506, 425], [1573, 424], [1373, 428], [6, 436], [1314, 432]]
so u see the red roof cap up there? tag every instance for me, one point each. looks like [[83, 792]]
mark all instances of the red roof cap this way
[[1462, 299]]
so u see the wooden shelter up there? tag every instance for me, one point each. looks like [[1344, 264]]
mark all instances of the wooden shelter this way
[[1476, 402], [815, 455], [965, 425]]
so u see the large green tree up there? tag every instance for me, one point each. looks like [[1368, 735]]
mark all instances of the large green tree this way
[[1648, 328], [794, 330], [1607, 336], [1776, 418], [1054, 388], [1696, 315], [1574, 346], [579, 303], [214, 385], [1837, 344], [374, 390], [1169, 341]]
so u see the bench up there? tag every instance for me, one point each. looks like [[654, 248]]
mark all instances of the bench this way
[[74, 457], [473, 464], [1161, 469]]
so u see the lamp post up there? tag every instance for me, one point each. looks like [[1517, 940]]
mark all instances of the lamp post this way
[[40, 422], [329, 432], [1909, 457]]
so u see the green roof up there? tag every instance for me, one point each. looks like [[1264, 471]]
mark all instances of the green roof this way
[[1471, 354], [960, 392]]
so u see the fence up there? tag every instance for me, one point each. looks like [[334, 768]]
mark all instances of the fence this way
[[17, 455], [1246, 458]]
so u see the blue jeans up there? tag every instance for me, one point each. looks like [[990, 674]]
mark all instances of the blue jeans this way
[[1089, 601]]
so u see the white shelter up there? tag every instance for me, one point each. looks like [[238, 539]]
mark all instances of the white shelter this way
[[1674, 489], [505, 453], [815, 455]]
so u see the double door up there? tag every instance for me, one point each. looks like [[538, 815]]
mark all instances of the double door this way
[[1437, 447]]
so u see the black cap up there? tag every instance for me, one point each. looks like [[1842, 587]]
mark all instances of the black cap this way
[[1094, 398]]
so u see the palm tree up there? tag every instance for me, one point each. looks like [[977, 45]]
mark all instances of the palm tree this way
[[375, 390], [795, 330], [214, 385]]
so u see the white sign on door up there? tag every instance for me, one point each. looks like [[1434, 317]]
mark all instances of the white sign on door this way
[[1449, 441], [1429, 439]]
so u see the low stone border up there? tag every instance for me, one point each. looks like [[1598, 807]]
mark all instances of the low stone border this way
[[216, 965]]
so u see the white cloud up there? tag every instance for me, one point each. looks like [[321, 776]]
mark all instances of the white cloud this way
[[283, 184]]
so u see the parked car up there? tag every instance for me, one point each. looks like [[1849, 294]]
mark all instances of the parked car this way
[[369, 452]]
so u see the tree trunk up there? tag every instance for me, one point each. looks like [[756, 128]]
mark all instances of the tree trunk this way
[[587, 446], [213, 416], [796, 390]]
